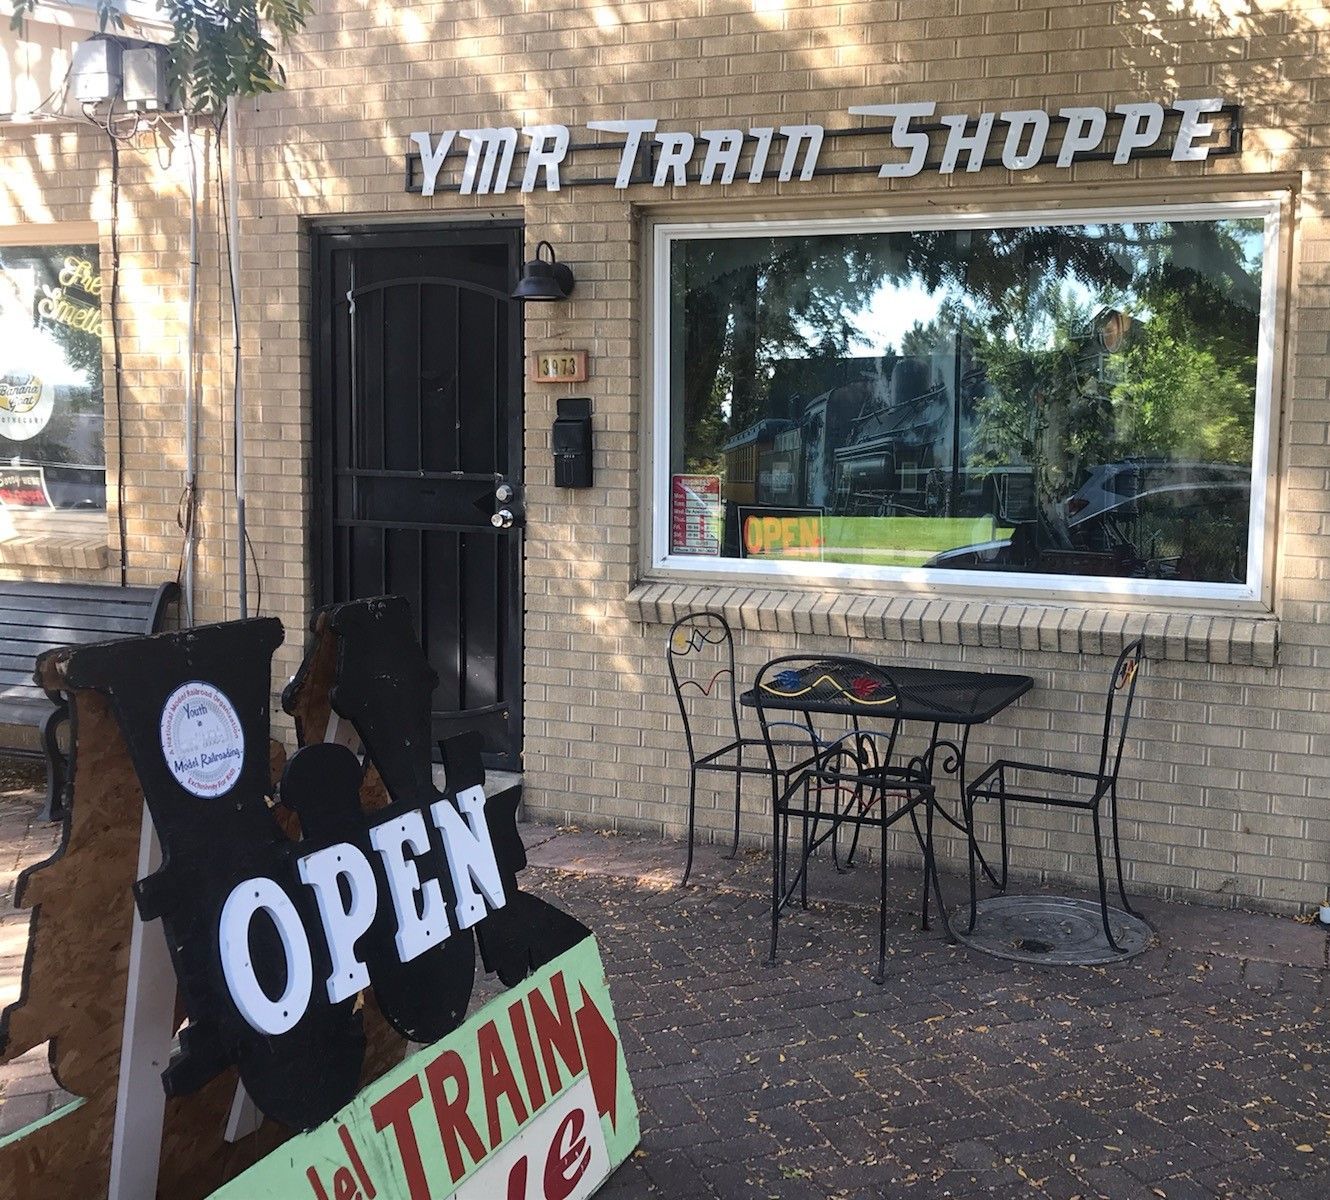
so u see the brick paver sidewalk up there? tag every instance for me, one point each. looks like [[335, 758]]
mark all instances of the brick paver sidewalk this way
[[1200, 1069]]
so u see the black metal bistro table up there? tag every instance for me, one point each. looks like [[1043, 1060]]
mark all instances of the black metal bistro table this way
[[936, 697]]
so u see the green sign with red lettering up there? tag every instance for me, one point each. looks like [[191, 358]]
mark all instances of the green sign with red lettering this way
[[528, 1100]]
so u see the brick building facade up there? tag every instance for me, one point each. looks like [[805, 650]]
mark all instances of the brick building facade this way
[[1224, 783]]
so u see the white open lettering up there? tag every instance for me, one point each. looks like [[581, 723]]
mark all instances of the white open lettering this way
[[246, 901], [344, 920], [470, 855], [346, 893], [1141, 127], [419, 925], [549, 147]]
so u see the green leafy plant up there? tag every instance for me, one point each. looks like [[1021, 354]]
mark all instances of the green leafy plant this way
[[218, 47]]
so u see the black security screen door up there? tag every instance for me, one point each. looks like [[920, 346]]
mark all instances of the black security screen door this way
[[418, 463]]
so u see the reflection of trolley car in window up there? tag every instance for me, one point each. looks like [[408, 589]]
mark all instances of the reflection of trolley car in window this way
[[863, 449]]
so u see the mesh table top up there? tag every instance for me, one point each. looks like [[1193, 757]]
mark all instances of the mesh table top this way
[[866, 689]]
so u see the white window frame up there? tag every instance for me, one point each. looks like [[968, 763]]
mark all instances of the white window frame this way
[[142, 17], [963, 583]]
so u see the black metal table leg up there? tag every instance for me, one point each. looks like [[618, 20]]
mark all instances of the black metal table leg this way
[[777, 860], [881, 973]]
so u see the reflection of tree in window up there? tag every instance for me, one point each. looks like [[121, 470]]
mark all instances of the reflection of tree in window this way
[[1171, 389], [1036, 360]]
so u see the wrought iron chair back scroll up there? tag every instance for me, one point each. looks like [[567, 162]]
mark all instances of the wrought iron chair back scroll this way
[[700, 654], [869, 781], [1117, 708]]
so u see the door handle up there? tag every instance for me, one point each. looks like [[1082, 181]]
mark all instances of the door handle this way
[[503, 519], [504, 492]]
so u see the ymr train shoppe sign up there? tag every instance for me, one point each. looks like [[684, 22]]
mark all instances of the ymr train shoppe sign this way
[[897, 141]]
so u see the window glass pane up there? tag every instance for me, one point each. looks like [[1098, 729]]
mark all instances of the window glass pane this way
[[51, 446], [1061, 399]]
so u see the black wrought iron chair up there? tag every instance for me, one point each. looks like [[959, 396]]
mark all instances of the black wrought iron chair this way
[[859, 779], [700, 653], [1008, 781]]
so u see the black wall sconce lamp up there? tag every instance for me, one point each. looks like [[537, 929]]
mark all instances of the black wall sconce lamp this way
[[544, 280]]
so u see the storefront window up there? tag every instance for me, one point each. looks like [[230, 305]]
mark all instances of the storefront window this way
[[1045, 399], [52, 456]]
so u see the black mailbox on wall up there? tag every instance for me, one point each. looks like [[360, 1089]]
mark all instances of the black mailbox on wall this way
[[572, 443]]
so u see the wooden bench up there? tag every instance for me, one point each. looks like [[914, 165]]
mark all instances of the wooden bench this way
[[35, 617]]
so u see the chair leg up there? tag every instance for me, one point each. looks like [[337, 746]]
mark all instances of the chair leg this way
[[929, 867], [692, 822], [784, 853], [833, 815], [835, 829], [925, 840], [967, 810], [738, 792], [881, 973], [1103, 882], [1002, 820], [779, 828], [803, 856], [1117, 852], [854, 808]]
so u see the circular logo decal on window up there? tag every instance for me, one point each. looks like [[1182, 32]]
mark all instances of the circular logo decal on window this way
[[26, 404], [202, 739]]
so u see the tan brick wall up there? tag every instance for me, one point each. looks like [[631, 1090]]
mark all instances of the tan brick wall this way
[[1225, 786], [57, 176]]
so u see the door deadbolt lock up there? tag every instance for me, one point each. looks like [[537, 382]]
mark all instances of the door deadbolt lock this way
[[503, 519], [503, 493]]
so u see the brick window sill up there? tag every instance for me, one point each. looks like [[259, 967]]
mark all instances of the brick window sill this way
[[63, 539], [1181, 636], [50, 550]]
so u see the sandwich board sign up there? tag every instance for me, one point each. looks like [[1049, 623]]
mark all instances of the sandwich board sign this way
[[313, 930], [528, 1100]]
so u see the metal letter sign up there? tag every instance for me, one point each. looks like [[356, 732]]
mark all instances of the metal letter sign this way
[[272, 939], [904, 140]]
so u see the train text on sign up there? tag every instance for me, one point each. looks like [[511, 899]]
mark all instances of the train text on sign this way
[[914, 137]]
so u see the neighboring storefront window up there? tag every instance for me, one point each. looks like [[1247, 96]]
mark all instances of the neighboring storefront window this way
[[1063, 398], [52, 455]]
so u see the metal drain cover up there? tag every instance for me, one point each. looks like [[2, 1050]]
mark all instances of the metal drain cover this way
[[1056, 930]]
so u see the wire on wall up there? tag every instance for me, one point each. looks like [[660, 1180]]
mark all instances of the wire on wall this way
[[116, 137], [187, 508], [117, 354], [248, 557], [123, 128]]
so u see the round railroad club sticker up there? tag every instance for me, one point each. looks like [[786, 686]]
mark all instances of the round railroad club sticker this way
[[202, 739]]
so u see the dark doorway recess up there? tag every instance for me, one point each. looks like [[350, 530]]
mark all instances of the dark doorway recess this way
[[418, 451]]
